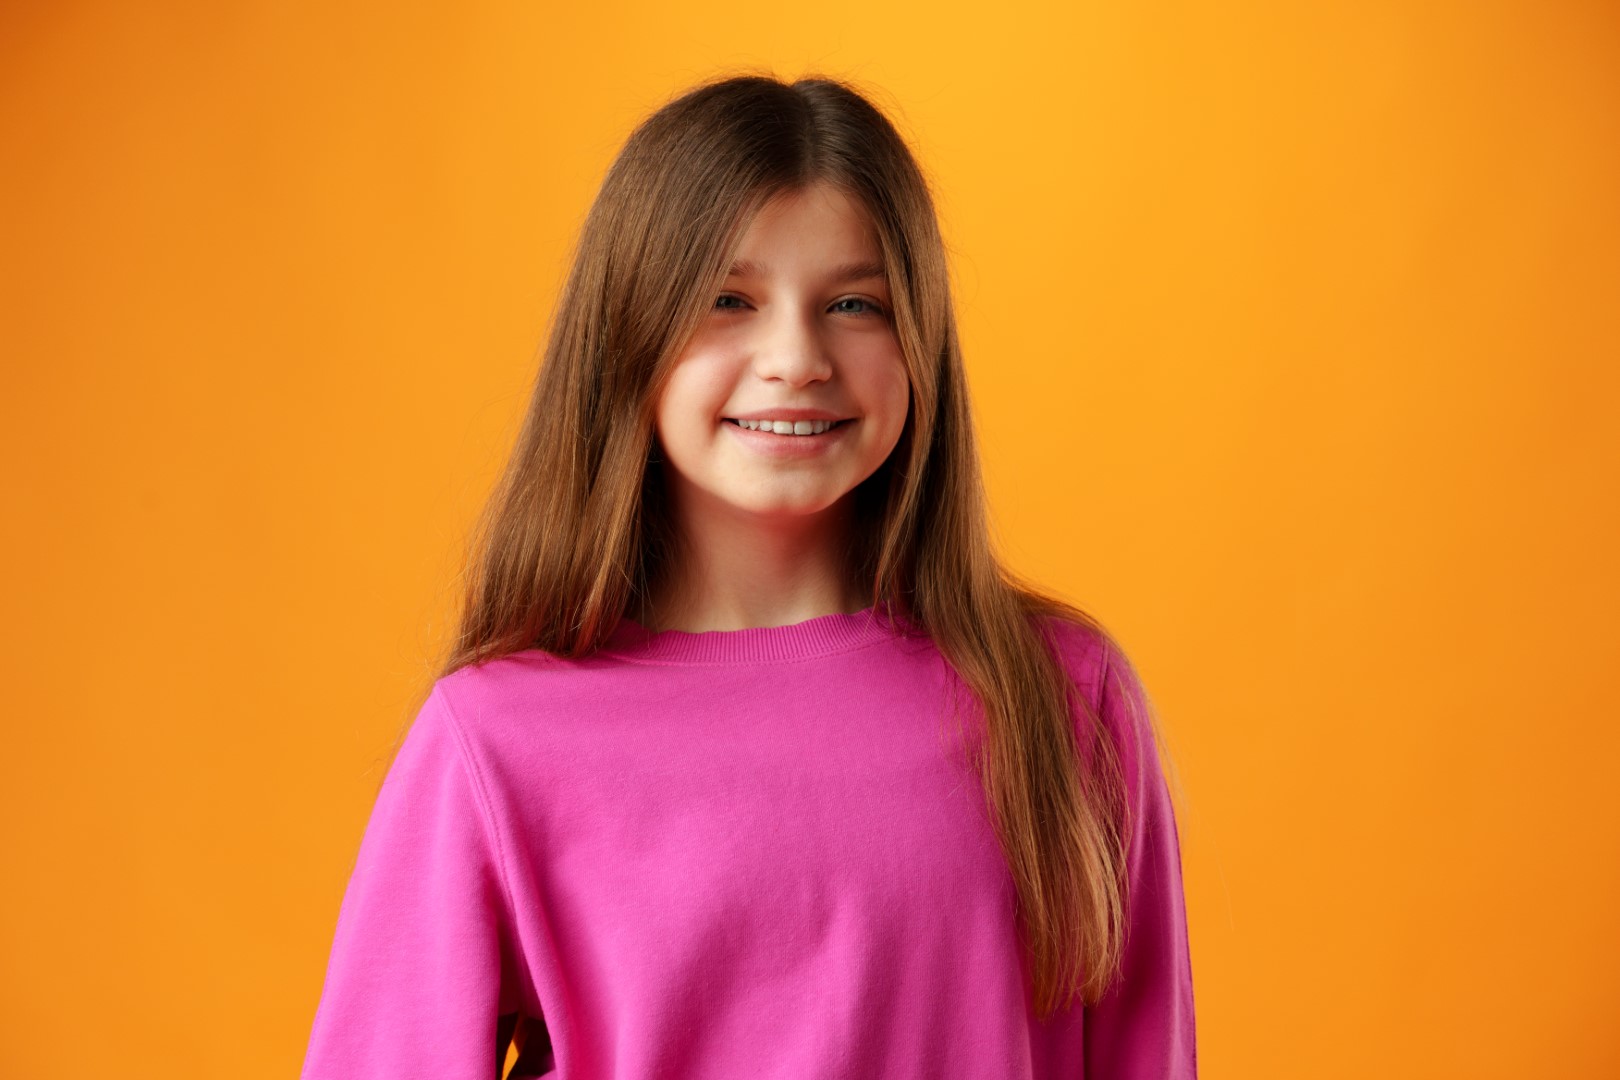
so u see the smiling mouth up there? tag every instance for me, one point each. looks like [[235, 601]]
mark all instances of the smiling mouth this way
[[794, 427]]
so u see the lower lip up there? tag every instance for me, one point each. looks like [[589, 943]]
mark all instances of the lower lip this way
[[789, 446]]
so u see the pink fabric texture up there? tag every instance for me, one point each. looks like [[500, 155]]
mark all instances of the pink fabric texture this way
[[747, 853]]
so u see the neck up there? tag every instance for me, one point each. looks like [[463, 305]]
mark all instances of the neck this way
[[735, 570]]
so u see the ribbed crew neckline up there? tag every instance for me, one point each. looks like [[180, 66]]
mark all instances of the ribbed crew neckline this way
[[822, 635]]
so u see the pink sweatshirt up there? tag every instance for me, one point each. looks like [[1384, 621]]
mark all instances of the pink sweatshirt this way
[[736, 854]]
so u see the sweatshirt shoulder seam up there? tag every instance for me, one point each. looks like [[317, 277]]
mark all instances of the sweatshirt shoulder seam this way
[[480, 788]]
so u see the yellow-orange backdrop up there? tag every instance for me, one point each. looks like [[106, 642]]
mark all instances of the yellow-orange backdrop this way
[[1293, 331]]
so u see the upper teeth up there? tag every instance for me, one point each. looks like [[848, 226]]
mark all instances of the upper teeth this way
[[789, 427]]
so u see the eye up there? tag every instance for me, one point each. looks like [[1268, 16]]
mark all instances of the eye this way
[[865, 306], [728, 302]]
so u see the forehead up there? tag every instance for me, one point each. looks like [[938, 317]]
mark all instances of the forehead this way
[[818, 224]]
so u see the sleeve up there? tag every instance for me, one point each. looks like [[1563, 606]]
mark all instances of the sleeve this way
[[1143, 1028], [414, 980]]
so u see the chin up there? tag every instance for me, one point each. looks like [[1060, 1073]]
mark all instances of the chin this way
[[790, 507]]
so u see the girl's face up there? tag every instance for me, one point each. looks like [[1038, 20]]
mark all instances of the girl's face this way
[[799, 336]]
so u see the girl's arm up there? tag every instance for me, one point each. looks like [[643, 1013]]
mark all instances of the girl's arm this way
[[1144, 1026], [414, 985]]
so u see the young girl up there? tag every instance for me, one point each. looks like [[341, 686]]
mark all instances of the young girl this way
[[751, 760]]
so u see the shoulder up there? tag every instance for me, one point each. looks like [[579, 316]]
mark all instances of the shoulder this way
[[1103, 674], [478, 699], [491, 677], [1082, 648]]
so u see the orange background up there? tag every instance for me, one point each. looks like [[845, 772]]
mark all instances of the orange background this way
[[1293, 330]]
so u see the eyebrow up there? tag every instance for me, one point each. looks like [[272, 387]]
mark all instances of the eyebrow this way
[[861, 270]]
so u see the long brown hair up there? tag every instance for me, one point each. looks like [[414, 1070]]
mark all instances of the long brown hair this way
[[577, 532]]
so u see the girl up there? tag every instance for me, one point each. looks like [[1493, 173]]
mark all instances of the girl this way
[[751, 760]]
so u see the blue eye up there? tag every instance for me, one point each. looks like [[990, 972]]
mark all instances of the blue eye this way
[[869, 306], [727, 302]]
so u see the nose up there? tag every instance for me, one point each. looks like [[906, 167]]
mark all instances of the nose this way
[[791, 349]]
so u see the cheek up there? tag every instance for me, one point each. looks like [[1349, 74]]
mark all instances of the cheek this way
[[889, 386], [700, 380], [690, 400]]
